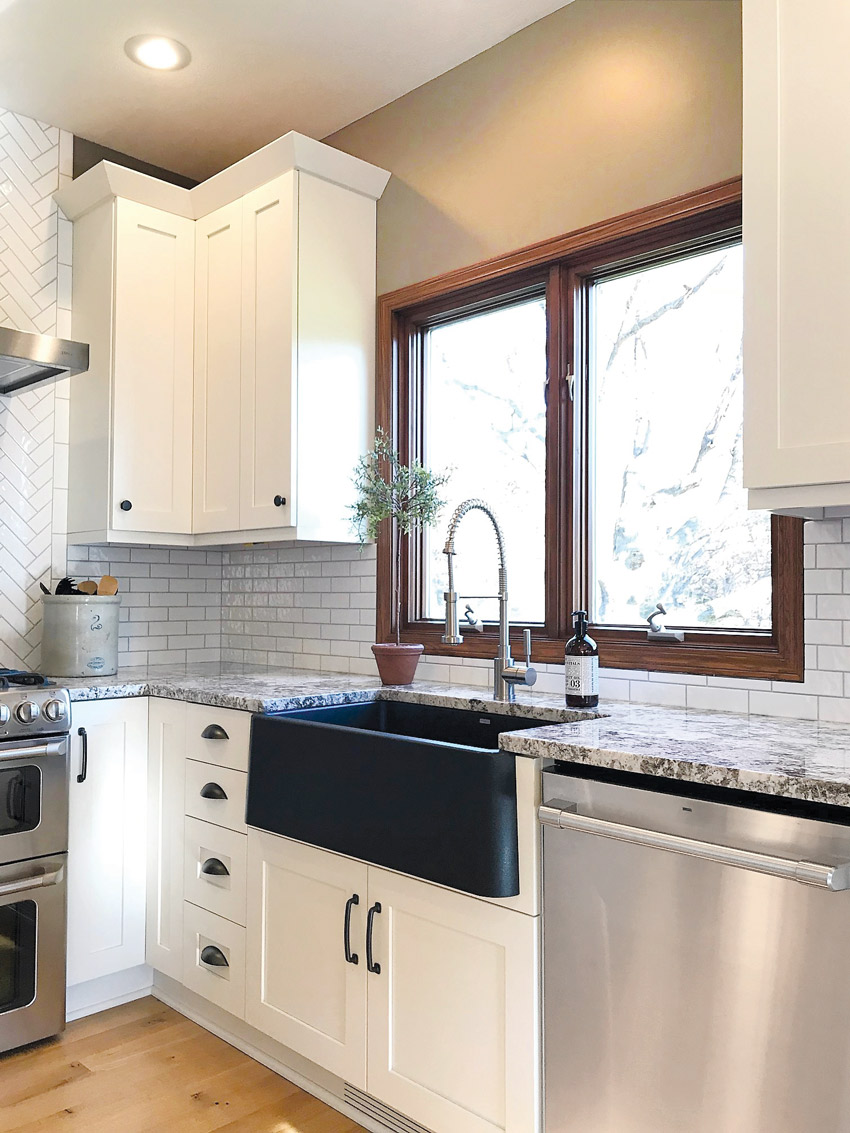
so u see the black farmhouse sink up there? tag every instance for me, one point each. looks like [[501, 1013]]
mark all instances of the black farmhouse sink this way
[[411, 787]]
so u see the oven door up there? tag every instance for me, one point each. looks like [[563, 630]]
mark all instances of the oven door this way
[[33, 799], [32, 951]]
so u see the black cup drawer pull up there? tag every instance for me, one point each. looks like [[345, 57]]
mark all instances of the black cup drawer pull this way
[[213, 867], [371, 966], [214, 957], [214, 732], [213, 791], [350, 957]]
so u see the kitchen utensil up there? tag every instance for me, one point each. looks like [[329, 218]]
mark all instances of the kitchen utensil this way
[[44, 589], [107, 585], [88, 587], [67, 585]]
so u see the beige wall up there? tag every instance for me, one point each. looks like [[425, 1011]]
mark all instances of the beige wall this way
[[602, 107]]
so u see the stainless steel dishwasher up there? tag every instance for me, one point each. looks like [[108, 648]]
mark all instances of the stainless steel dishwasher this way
[[696, 963]]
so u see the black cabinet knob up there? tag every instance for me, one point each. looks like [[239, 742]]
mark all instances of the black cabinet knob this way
[[212, 867], [214, 957], [279, 501], [213, 791], [125, 505]]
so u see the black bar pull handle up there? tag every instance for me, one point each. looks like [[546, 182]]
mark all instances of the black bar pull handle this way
[[350, 957], [214, 957], [214, 732], [214, 867], [213, 791], [371, 966], [84, 761]]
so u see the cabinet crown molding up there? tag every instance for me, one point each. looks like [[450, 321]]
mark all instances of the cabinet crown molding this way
[[292, 151]]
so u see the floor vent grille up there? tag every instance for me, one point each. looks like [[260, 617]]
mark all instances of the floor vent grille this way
[[389, 1117]]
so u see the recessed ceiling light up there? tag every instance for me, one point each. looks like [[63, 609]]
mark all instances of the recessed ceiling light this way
[[158, 52]]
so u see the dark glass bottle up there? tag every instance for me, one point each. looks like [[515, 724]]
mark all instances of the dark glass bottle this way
[[581, 666]]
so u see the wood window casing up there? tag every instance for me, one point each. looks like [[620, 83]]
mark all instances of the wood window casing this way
[[563, 269]]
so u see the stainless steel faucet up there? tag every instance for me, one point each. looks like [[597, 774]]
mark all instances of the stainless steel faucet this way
[[506, 673]]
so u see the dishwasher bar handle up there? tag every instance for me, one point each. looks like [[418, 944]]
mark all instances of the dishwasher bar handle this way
[[832, 877]]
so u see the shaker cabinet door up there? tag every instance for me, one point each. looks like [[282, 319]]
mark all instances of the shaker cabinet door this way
[[106, 838], [152, 383], [269, 304], [453, 1012], [303, 987]]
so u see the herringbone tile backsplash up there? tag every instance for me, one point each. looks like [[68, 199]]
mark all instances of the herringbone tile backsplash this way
[[35, 295]]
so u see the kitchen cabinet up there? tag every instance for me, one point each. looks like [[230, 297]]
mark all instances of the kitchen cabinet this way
[[438, 1020], [231, 390], [106, 838], [300, 989], [130, 466], [797, 288], [166, 777]]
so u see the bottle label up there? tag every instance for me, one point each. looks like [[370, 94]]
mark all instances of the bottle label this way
[[582, 676]]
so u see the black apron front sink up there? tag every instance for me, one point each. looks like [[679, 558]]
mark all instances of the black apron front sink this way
[[414, 788]]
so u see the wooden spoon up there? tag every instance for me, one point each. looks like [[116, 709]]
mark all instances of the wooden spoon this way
[[88, 587], [107, 585]]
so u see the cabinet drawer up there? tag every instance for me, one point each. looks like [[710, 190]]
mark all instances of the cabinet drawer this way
[[214, 874], [205, 786], [214, 959], [218, 735]]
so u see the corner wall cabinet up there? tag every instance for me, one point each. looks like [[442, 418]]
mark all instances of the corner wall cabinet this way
[[797, 288], [231, 326]]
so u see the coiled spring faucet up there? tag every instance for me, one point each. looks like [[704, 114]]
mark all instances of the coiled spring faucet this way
[[506, 673]]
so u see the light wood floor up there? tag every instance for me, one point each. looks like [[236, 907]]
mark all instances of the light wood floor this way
[[143, 1068]]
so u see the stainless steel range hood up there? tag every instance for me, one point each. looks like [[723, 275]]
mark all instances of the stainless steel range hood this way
[[28, 360]]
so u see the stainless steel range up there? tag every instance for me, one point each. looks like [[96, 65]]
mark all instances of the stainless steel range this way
[[35, 719]]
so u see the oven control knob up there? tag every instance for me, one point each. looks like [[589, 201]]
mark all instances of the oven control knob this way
[[27, 712], [4, 715], [54, 710]]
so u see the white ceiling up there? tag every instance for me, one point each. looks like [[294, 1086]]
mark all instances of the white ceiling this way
[[259, 67]]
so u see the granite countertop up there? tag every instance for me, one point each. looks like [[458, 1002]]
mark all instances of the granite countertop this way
[[792, 758], [797, 759]]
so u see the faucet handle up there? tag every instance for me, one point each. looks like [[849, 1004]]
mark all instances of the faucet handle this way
[[526, 641]]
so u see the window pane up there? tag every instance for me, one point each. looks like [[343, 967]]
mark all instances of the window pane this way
[[670, 519], [485, 415]]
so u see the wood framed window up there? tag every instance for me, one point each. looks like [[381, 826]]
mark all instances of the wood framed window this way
[[589, 389]]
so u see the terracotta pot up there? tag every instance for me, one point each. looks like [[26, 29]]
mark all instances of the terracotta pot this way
[[397, 663]]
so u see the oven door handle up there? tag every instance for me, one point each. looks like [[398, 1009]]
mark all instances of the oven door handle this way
[[32, 881], [33, 751]]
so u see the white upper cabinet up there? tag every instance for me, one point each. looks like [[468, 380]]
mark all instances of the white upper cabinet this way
[[232, 334], [130, 466], [796, 240], [269, 306]]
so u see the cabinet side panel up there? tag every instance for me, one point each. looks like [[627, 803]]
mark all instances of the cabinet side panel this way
[[91, 397], [166, 775], [336, 352], [797, 288], [218, 279]]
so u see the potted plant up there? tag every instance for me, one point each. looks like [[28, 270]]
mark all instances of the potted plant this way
[[408, 496]]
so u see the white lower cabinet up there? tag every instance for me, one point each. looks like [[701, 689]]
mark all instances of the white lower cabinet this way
[[452, 1017], [106, 838], [300, 990], [214, 959], [446, 989]]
